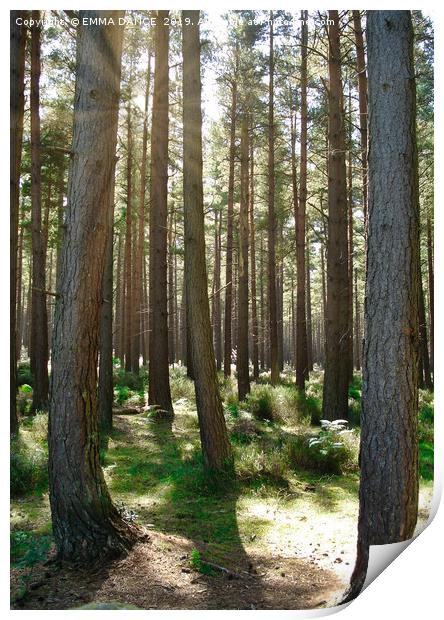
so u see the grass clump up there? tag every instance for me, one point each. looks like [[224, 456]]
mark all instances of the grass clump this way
[[328, 452], [182, 387], [24, 374], [262, 404], [255, 465]]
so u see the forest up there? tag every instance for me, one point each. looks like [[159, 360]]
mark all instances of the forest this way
[[221, 304]]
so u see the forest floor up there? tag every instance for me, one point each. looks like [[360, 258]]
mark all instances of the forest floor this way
[[278, 538]]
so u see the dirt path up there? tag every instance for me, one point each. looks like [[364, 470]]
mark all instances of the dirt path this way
[[157, 575]]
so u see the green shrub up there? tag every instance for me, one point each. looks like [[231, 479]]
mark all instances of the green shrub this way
[[24, 374], [245, 431], [182, 387], [27, 549], [255, 464], [261, 402], [122, 393], [28, 468], [426, 460], [133, 381], [327, 452]]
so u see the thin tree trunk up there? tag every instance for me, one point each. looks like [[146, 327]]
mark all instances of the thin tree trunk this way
[[215, 445], [301, 321], [431, 291], [254, 319], [228, 346], [425, 378], [309, 317], [362, 93], [129, 310], [243, 378], [337, 349], [17, 101], [86, 525], [272, 302], [357, 325], [217, 285], [39, 320], [159, 381], [388, 496], [350, 231]]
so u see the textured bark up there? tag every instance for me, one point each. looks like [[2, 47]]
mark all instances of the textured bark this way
[[140, 253], [425, 377], [17, 73], [262, 304], [301, 321], [106, 388], [309, 317], [272, 301], [337, 350], [358, 345], [362, 93], [388, 495], [19, 291], [431, 291], [171, 315], [129, 309], [39, 316], [254, 319], [243, 378], [350, 231], [86, 525], [159, 382], [230, 212], [215, 445], [217, 326]]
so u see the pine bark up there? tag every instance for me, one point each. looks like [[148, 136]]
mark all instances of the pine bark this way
[[337, 349], [86, 524], [431, 286], [254, 317], [362, 94], [388, 495], [17, 100], [272, 298], [39, 316], [301, 320], [159, 382], [230, 214], [215, 445], [243, 378]]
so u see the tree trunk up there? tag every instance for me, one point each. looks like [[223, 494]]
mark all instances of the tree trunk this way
[[86, 524], [309, 317], [431, 291], [350, 232], [39, 320], [17, 100], [301, 321], [140, 253], [388, 495], [425, 378], [217, 327], [215, 445], [159, 381], [230, 213], [362, 93], [243, 378], [272, 301], [254, 319], [128, 271], [337, 350]]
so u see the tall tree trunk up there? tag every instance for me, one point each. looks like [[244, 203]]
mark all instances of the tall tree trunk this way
[[357, 325], [171, 352], [262, 304], [301, 322], [217, 327], [362, 93], [215, 445], [140, 254], [118, 305], [254, 319], [425, 378], [39, 320], [228, 346], [159, 381], [106, 334], [350, 231], [272, 301], [431, 291], [243, 378], [388, 496], [337, 349], [85, 523], [129, 310], [309, 317], [19, 291], [17, 101]]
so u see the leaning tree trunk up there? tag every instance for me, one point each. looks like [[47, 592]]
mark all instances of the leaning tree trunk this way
[[215, 445], [18, 43], [388, 496], [243, 378], [39, 320], [159, 382], [86, 524], [337, 350]]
